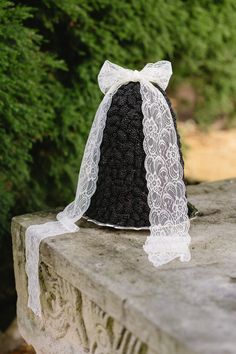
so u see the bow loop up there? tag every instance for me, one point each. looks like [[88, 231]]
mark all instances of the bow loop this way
[[158, 73], [112, 74]]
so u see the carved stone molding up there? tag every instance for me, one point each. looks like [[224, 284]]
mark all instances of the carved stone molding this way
[[62, 307], [69, 314]]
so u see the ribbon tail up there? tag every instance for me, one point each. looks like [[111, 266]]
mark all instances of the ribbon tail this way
[[74, 211], [163, 249], [169, 223], [33, 237]]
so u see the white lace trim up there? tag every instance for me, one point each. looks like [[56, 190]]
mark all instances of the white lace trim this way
[[33, 237], [164, 174], [166, 190]]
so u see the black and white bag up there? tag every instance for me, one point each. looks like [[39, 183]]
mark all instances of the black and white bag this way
[[131, 175]]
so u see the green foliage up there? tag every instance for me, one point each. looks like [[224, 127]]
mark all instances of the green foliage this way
[[51, 54], [28, 96], [197, 36]]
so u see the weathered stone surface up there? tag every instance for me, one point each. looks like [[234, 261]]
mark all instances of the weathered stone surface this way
[[100, 294]]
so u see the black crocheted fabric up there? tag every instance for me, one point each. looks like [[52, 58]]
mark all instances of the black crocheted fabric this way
[[121, 194]]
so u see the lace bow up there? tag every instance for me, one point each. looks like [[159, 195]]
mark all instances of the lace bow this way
[[113, 74]]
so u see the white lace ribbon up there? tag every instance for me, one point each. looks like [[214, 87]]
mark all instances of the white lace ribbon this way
[[169, 223]]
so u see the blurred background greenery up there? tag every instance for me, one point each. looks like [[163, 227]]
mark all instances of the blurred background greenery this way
[[50, 54]]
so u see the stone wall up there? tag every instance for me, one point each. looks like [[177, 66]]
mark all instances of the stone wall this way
[[100, 295]]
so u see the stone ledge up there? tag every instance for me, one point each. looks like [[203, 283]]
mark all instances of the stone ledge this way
[[101, 295]]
